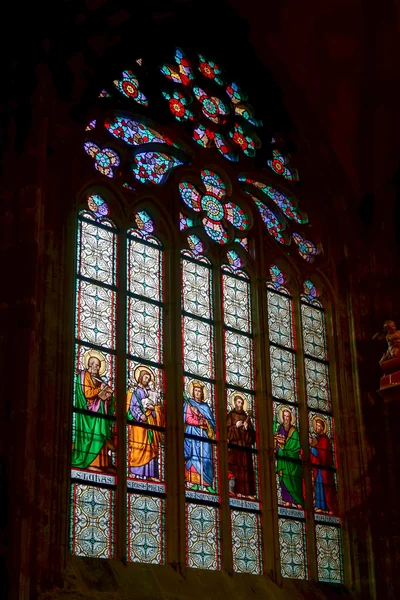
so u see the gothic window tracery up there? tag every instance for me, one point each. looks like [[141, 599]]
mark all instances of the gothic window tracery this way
[[126, 271]]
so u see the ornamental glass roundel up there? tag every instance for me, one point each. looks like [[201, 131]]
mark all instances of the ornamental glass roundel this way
[[216, 211]]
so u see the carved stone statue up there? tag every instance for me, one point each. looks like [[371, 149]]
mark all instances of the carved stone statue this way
[[392, 335]]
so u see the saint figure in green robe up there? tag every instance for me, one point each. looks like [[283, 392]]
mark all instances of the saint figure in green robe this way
[[287, 446]]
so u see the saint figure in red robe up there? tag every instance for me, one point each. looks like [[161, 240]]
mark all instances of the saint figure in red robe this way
[[241, 437], [321, 455]]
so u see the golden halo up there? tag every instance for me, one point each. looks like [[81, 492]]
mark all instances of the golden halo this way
[[138, 371], [281, 411], [245, 400], [319, 418], [196, 383], [96, 354]]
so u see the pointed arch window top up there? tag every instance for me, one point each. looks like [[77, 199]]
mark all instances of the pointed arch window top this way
[[277, 280], [311, 293], [98, 206], [144, 222], [195, 244], [234, 260]]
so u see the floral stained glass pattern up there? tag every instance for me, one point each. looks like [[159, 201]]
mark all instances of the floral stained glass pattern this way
[[306, 248], [181, 72], [92, 521], [281, 320], [198, 347], [246, 542], [146, 526], [98, 206], [96, 314], [105, 159], [197, 289], [229, 122], [329, 553], [144, 274], [313, 332], [128, 85], [286, 204], [210, 70], [185, 222], [283, 374], [144, 222], [213, 206], [317, 384], [96, 252], [153, 167], [179, 105], [279, 165], [134, 133], [238, 359], [292, 536], [200, 424], [274, 226], [203, 547], [195, 244]]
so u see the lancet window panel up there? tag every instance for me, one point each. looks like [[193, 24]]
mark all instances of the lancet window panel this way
[[145, 400], [200, 416]]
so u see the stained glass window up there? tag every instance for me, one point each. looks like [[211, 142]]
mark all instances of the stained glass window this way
[[126, 291], [241, 420], [199, 413], [321, 436], [94, 438], [286, 427], [145, 402]]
